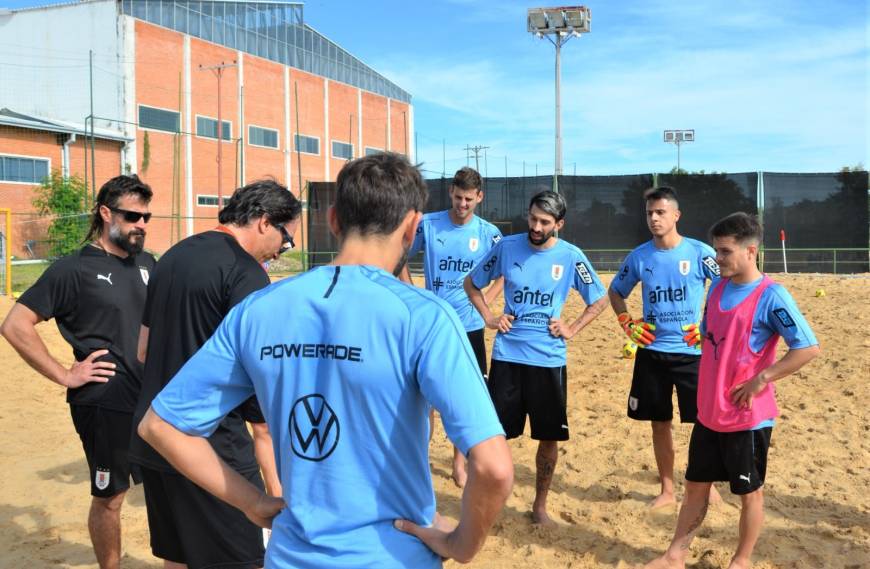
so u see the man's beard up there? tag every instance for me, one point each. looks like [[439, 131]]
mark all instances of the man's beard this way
[[544, 239], [133, 242], [402, 261]]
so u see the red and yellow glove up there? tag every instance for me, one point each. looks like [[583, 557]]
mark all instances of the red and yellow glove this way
[[692, 335], [637, 330]]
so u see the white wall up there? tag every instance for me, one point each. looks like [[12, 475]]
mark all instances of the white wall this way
[[44, 62]]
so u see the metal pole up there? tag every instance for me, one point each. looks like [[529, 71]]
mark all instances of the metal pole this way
[[443, 157], [220, 132], [558, 170], [678, 157], [93, 157]]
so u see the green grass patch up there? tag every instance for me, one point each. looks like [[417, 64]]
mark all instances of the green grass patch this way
[[23, 276]]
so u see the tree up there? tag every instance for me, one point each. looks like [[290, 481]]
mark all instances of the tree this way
[[64, 199]]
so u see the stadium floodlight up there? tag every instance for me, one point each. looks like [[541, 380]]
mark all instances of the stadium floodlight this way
[[562, 24], [678, 137]]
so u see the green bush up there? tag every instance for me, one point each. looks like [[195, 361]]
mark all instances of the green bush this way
[[65, 199]]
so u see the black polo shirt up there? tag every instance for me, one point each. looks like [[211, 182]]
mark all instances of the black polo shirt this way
[[194, 285], [97, 300]]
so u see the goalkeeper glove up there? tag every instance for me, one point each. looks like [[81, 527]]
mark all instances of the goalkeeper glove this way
[[637, 330], [692, 336]]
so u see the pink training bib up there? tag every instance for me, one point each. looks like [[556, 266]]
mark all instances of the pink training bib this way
[[728, 360]]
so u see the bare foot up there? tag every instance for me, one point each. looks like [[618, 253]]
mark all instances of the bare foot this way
[[664, 563], [460, 476], [661, 501], [715, 498], [739, 564], [541, 518]]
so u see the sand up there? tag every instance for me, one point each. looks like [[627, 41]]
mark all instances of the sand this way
[[817, 490]]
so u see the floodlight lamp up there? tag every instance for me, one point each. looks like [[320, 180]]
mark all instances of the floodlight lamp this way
[[537, 20]]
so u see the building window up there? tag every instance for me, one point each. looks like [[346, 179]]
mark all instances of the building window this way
[[24, 170], [206, 201], [158, 119], [207, 127], [258, 136], [342, 150], [371, 150], [307, 144]]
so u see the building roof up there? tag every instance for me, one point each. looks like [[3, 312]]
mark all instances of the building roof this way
[[271, 29], [9, 117]]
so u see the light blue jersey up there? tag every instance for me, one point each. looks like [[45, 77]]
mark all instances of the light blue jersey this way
[[672, 285], [449, 253], [536, 285], [777, 313], [345, 362]]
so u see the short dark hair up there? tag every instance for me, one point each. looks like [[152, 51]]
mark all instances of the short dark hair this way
[[661, 193], [550, 202], [376, 192], [111, 193], [742, 226], [263, 197], [467, 179]]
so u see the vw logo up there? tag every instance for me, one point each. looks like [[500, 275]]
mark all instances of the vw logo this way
[[314, 428]]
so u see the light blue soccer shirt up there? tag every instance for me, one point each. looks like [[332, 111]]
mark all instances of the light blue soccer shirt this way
[[672, 286], [450, 251], [345, 362], [536, 285], [776, 313]]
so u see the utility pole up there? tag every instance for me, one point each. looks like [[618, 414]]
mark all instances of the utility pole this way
[[476, 150], [219, 72]]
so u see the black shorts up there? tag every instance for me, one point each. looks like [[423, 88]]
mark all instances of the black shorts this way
[[541, 393], [475, 337], [739, 457], [105, 436], [652, 386], [189, 525]]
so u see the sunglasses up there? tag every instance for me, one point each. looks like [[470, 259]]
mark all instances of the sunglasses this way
[[287, 242], [131, 216]]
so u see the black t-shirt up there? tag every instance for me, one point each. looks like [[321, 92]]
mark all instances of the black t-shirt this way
[[194, 285], [97, 300]]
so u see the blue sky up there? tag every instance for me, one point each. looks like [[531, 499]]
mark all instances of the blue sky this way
[[767, 85]]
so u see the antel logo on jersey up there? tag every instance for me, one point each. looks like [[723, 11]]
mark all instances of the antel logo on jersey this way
[[669, 294], [473, 244], [458, 264], [556, 272], [314, 428], [535, 297], [583, 272], [684, 267]]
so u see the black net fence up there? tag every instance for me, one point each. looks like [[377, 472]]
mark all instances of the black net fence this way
[[606, 214]]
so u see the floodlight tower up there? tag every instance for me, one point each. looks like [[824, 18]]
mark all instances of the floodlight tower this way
[[678, 137], [562, 24]]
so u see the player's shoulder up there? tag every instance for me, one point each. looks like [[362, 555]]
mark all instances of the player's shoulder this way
[[703, 249], [515, 240], [487, 226], [641, 251], [777, 294], [575, 252], [434, 217]]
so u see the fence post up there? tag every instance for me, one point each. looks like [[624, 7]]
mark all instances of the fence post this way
[[835, 261]]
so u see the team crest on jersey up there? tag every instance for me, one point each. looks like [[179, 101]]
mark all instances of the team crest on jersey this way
[[101, 478], [632, 403], [145, 275], [556, 272], [684, 267], [473, 244]]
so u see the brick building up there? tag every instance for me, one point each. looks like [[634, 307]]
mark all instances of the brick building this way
[[294, 105]]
